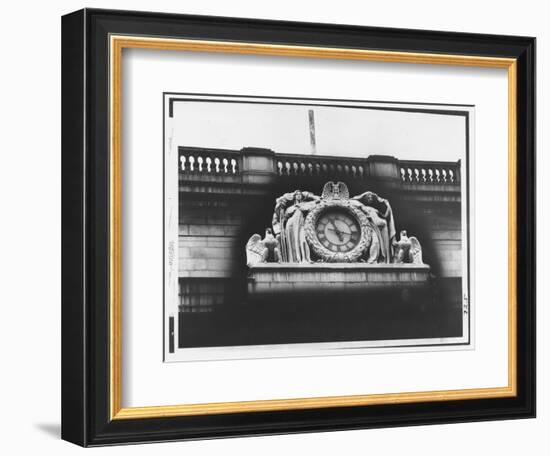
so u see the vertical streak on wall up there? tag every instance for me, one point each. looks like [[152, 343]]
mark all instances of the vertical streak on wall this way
[[312, 132]]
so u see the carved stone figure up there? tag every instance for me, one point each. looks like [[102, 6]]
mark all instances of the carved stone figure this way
[[258, 250], [408, 250], [335, 191], [380, 214], [288, 223]]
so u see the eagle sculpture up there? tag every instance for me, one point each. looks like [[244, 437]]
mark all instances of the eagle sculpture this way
[[259, 250], [408, 250]]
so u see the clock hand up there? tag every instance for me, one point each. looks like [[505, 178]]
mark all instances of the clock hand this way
[[340, 233], [337, 231]]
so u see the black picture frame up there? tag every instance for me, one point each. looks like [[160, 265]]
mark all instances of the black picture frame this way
[[86, 390]]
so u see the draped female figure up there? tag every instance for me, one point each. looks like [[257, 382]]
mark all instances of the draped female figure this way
[[380, 214], [288, 225]]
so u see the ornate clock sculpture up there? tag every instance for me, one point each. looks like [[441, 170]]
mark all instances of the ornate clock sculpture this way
[[333, 228], [336, 229], [337, 233], [319, 242]]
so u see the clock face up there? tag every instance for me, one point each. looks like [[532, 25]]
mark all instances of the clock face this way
[[338, 230]]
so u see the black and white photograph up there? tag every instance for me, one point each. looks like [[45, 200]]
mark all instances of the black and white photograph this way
[[303, 227]]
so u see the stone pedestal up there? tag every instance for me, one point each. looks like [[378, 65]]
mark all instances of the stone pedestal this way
[[269, 278]]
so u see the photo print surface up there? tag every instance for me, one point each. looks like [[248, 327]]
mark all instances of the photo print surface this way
[[301, 227]]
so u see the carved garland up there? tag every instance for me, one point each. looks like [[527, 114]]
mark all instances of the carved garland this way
[[326, 254]]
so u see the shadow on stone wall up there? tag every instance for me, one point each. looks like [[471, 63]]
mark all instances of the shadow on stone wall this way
[[430, 312]]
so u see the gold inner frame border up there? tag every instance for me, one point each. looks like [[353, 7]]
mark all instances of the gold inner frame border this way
[[116, 46]]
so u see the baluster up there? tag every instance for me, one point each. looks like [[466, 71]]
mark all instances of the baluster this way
[[191, 163], [182, 161], [416, 175], [423, 175], [280, 167], [217, 163], [444, 174], [302, 168], [430, 175], [208, 161], [353, 171], [287, 168], [361, 171], [199, 161], [317, 169], [310, 169], [451, 176], [225, 164], [233, 166], [403, 178]]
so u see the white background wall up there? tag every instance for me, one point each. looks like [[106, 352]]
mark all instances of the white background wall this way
[[30, 192]]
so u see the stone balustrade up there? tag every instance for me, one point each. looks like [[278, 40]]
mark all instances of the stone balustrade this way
[[209, 161], [424, 172], [303, 165], [196, 163]]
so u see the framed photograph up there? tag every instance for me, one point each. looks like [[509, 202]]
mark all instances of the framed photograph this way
[[277, 227], [338, 267]]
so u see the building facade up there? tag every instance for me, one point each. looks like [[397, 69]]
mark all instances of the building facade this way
[[227, 195]]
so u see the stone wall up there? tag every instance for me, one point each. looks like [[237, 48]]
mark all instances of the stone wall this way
[[208, 232], [226, 196], [445, 233]]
